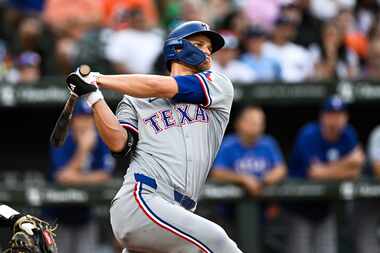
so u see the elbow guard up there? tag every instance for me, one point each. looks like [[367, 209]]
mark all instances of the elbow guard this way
[[129, 147]]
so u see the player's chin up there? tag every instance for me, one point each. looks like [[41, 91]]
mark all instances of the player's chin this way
[[205, 66]]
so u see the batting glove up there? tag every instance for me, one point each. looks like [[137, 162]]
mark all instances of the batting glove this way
[[84, 86]]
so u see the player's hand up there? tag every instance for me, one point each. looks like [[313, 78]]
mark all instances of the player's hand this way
[[68, 177], [318, 171], [81, 85], [251, 184]]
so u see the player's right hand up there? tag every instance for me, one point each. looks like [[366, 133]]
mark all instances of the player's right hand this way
[[252, 185], [81, 85]]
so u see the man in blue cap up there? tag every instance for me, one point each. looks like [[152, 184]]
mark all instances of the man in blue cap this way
[[327, 150], [84, 159]]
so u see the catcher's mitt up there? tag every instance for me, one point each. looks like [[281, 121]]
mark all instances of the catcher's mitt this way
[[32, 235]]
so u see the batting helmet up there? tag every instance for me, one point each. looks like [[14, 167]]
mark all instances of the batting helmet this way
[[176, 46]]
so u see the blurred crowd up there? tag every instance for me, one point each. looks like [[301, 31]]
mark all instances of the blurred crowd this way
[[326, 149], [273, 40]]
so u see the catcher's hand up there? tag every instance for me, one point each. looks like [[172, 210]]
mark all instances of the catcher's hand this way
[[32, 235]]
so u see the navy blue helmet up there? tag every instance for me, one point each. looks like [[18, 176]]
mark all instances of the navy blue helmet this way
[[177, 48]]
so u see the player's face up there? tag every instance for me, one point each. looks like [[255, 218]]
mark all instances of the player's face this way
[[251, 124], [333, 123], [204, 44], [81, 124]]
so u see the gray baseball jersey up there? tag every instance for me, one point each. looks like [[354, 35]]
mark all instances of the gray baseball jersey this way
[[178, 141]]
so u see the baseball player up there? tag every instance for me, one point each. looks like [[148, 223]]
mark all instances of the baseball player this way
[[171, 127], [29, 234]]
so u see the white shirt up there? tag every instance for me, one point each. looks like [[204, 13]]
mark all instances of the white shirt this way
[[136, 50], [295, 61], [236, 71]]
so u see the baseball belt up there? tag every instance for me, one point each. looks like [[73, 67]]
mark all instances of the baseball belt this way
[[167, 191]]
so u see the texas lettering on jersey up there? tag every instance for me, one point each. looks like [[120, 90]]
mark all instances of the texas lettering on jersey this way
[[180, 116]]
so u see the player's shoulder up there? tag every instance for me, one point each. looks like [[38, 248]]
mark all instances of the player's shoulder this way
[[309, 130], [216, 76], [268, 140], [230, 141], [133, 101], [375, 133], [349, 131]]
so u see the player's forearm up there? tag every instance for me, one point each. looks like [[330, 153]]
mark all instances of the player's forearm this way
[[276, 175], [376, 168], [225, 176], [109, 128], [77, 161], [353, 161], [349, 167], [96, 177], [142, 86]]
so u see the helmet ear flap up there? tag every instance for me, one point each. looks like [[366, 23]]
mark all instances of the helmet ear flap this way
[[182, 50]]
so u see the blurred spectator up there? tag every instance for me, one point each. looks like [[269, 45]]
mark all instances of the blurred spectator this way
[[324, 151], [33, 36], [134, 50], [334, 60], [265, 68], [65, 16], [353, 38], [237, 22], [308, 26], [226, 62], [28, 65], [372, 70], [83, 160], [90, 49], [295, 61], [8, 72], [249, 157], [27, 6], [115, 13], [367, 216], [366, 11], [327, 9], [263, 13], [210, 12]]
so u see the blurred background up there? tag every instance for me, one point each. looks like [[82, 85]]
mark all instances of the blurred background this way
[[299, 166]]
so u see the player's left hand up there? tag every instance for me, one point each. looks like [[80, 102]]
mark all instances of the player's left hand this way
[[81, 85], [318, 171], [30, 234]]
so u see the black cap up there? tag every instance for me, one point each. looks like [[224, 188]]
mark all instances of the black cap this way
[[255, 32], [284, 20]]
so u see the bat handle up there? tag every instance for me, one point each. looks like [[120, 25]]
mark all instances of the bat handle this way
[[70, 104], [61, 128]]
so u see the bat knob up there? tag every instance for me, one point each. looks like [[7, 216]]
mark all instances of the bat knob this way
[[84, 70]]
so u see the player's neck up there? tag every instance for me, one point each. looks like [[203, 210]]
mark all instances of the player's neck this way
[[180, 69], [248, 140]]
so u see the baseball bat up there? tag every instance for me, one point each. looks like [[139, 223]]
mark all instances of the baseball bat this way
[[61, 128]]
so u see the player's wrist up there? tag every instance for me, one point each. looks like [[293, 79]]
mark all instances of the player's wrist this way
[[93, 97]]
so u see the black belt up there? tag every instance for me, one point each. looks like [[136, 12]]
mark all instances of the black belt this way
[[182, 199]]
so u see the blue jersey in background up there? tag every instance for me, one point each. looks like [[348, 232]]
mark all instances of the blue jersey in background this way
[[311, 147], [99, 159], [257, 159]]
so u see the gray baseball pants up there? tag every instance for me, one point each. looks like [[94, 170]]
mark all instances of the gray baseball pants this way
[[149, 220]]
